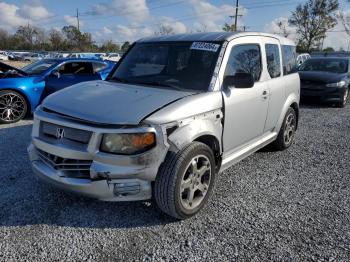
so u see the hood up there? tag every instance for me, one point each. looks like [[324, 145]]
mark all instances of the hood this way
[[111, 103], [5, 68], [318, 76]]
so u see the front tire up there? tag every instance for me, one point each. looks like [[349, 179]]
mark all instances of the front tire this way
[[344, 99], [185, 181], [286, 135], [13, 107]]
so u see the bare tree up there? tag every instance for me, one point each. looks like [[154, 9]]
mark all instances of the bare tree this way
[[283, 27], [312, 20], [345, 20], [165, 30]]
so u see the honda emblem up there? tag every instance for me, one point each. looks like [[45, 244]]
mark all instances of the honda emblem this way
[[60, 133]]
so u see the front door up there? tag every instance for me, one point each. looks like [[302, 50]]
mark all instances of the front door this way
[[245, 108]]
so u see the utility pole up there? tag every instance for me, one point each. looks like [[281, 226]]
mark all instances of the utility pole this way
[[78, 20], [236, 16]]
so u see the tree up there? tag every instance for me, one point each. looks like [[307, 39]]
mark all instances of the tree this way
[[328, 49], [229, 28], [345, 19], [76, 40], [26, 36], [125, 46], [4, 39], [283, 27], [56, 40], [312, 20], [165, 30], [109, 46]]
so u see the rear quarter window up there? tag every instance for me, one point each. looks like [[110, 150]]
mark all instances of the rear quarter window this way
[[289, 59]]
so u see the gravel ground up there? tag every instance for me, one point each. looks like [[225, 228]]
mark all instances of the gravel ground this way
[[284, 206]]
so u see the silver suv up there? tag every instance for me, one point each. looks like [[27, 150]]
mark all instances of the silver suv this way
[[174, 113]]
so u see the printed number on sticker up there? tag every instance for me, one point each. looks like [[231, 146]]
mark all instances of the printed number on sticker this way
[[205, 46]]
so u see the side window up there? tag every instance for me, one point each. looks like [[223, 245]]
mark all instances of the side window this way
[[273, 60], [245, 59], [76, 68], [98, 67], [289, 59]]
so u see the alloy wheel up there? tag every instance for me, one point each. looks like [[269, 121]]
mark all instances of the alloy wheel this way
[[12, 107], [289, 129], [195, 182]]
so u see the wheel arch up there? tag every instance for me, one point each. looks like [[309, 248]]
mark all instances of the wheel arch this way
[[291, 102], [213, 143], [207, 131]]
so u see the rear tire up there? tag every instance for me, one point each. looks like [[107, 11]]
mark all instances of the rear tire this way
[[185, 181], [286, 135], [13, 107]]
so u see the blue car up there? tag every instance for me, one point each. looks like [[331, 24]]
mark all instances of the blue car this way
[[22, 90]]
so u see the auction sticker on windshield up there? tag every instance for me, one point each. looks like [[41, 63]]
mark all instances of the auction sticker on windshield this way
[[205, 46]]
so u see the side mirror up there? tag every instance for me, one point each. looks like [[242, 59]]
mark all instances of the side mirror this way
[[239, 80], [55, 73]]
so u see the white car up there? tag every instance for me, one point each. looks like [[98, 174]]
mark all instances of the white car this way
[[302, 58], [112, 57], [3, 56]]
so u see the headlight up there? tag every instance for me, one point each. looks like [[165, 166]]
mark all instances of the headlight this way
[[339, 84], [128, 144]]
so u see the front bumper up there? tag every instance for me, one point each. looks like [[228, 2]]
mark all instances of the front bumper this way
[[104, 189], [81, 168], [323, 94]]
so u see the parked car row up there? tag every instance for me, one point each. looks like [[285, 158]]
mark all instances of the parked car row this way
[[35, 56]]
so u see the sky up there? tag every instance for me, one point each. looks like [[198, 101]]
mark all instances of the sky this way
[[129, 20]]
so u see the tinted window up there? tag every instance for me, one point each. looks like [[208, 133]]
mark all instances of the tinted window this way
[[289, 59], [245, 59], [273, 60], [325, 65], [178, 65], [76, 68]]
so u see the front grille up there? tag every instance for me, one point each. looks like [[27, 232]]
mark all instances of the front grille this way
[[54, 132], [69, 167]]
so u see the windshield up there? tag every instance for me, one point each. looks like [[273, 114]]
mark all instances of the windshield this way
[[39, 67], [175, 65], [339, 66]]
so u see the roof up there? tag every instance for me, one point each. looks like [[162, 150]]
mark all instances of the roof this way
[[211, 36], [58, 60]]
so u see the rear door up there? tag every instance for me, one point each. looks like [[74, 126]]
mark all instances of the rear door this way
[[275, 81], [71, 73]]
